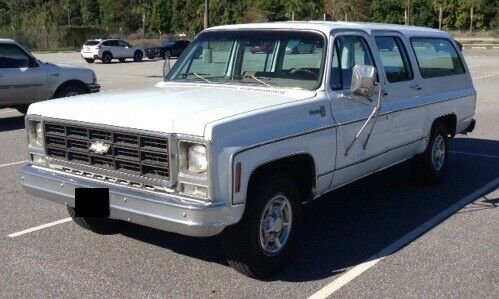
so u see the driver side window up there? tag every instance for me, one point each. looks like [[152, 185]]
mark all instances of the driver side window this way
[[348, 51], [11, 56]]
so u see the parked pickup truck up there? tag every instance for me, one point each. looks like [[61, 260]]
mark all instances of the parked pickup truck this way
[[234, 141], [25, 80]]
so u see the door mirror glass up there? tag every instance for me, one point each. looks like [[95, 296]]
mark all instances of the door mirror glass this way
[[166, 67], [363, 80]]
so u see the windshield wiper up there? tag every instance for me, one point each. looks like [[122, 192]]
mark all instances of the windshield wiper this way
[[200, 76], [260, 81]]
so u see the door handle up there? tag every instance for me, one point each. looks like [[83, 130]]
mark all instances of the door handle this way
[[417, 87]]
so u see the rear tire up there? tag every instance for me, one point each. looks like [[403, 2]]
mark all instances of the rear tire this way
[[89, 60], [103, 226], [70, 90], [138, 56], [257, 246], [431, 165], [107, 57]]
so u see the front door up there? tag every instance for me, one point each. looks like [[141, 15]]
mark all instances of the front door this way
[[21, 78], [357, 154]]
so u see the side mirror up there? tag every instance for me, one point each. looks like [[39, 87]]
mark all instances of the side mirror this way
[[363, 80], [166, 67]]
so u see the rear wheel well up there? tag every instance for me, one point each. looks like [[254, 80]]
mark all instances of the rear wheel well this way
[[450, 122], [300, 167]]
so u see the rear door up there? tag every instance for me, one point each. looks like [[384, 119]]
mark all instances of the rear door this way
[[22, 79], [402, 91]]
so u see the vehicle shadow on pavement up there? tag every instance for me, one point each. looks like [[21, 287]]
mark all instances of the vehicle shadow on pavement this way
[[11, 123], [350, 225]]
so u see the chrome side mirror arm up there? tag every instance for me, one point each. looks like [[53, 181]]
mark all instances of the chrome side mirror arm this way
[[373, 115]]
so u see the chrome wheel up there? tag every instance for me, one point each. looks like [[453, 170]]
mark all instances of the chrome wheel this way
[[438, 153], [275, 224]]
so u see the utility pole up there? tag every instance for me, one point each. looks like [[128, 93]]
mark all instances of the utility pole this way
[[143, 26], [440, 15], [206, 14], [471, 20], [293, 15]]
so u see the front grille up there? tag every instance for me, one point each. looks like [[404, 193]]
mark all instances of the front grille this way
[[131, 153]]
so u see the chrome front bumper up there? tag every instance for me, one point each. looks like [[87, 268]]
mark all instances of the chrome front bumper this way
[[164, 212]]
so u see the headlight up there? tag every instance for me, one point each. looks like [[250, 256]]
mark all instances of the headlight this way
[[196, 158], [35, 133]]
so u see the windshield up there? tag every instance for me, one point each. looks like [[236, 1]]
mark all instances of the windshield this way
[[253, 57], [92, 43], [168, 43]]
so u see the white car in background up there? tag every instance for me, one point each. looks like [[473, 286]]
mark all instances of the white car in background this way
[[25, 80], [108, 49]]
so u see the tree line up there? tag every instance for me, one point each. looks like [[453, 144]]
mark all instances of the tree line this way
[[42, 22]]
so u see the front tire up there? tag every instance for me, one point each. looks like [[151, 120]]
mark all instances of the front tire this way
[[262, 242], [138, 56], [70, 90], [103, 226], [431, 165], [107, 57]]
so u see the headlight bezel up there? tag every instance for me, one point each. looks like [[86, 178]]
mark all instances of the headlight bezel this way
[[186, 176], [35, 133]]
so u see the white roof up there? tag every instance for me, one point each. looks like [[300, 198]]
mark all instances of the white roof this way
[[326, 27], [7, 41]]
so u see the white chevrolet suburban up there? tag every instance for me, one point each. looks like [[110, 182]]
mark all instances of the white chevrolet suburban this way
[[25, 80], [243, 131]]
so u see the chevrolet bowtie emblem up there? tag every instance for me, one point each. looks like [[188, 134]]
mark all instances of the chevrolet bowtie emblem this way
[[99, 147]]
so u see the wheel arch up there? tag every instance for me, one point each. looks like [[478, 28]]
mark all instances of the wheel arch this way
[[450, 122], [69, 83], [299, 165]]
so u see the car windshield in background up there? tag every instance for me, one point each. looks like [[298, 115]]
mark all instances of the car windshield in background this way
[[168, 43], [92, 43], [266, 58]]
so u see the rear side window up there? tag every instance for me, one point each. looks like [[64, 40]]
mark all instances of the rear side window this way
[[111, 43], [92, 43], [394, 58], [437, 57]]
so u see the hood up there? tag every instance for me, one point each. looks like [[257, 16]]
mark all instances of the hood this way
[[67, 67], [168, 107]]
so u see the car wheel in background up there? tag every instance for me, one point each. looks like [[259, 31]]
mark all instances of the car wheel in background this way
[[167, 55], [262, 242], [151, 56], [89, 60], [431, 165], [103, 226], [138, 56], [122, 60], [107, 57], [70, 90]]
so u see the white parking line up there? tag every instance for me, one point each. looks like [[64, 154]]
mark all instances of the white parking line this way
[[474, 154], [356, 271], [484, 76], [13, 163], [29, 230]]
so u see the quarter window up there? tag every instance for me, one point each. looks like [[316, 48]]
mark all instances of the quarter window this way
[[348, 52], [437, 57], [394, 58], [11, 56]]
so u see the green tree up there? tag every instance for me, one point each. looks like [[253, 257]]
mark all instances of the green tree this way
[[387, 11]]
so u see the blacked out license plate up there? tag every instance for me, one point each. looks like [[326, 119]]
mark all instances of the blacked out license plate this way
[[92, 202]]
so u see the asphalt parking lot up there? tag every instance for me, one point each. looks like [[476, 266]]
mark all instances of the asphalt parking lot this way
[[384, 236]]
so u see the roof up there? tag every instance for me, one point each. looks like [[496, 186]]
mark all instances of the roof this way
[[326, 27], [7, 41]]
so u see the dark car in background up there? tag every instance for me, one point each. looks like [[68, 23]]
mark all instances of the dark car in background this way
[[167, 49]]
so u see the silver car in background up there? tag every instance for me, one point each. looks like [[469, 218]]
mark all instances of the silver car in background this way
[[25, 80]]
